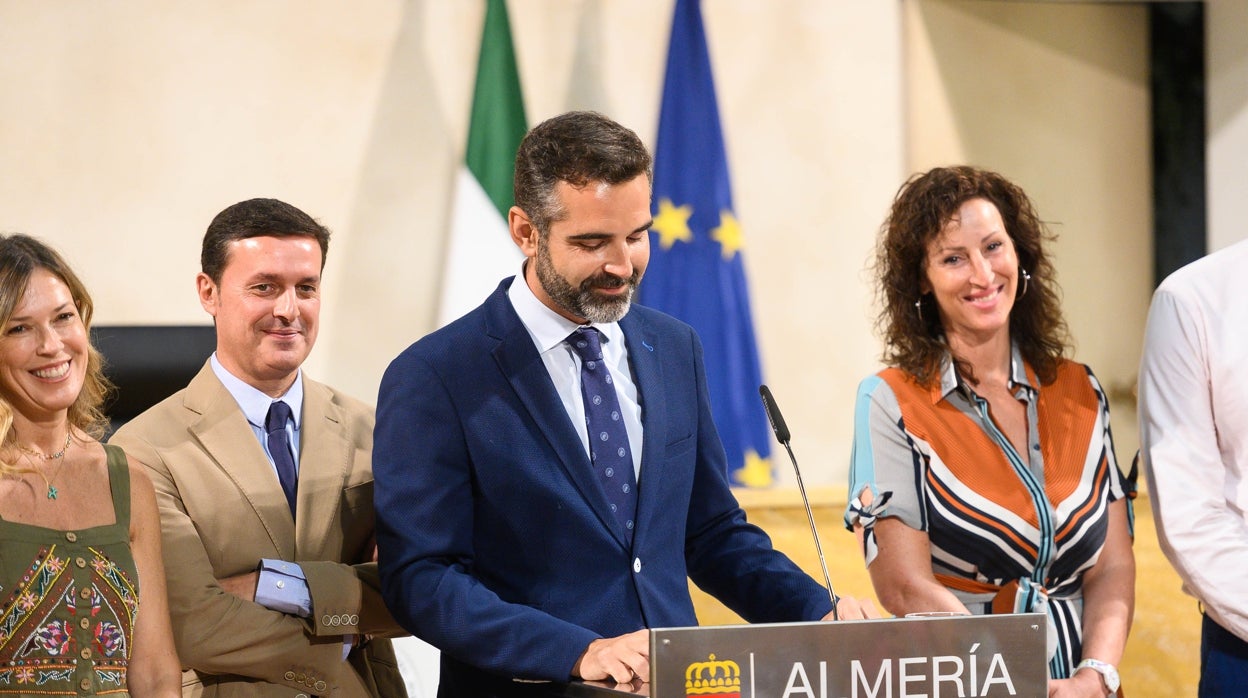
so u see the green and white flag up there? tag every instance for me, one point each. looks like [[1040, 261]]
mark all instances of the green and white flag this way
[[480, 252]]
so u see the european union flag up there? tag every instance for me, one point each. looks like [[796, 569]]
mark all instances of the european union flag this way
[[695, 272]]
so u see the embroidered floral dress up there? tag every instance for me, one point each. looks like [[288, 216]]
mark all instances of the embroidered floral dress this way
[[68, 601]]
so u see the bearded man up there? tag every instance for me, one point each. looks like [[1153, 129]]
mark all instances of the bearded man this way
[[548, 474]]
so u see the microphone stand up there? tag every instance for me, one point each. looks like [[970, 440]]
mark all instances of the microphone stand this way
[[782, 435]]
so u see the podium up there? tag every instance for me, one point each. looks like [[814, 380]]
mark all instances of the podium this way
[[953, 656]]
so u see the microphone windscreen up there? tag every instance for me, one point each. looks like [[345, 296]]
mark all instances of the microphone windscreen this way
[[773, 415]]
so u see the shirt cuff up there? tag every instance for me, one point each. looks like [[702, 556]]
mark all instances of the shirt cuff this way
[[283, 587]]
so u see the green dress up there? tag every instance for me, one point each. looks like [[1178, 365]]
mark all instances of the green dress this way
[[68, 601]]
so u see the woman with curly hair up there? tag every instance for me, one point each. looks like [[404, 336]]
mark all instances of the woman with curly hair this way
[[983, 475], [82, 588]]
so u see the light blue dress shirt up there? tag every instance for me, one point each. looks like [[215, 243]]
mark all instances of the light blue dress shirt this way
[[282, 585]]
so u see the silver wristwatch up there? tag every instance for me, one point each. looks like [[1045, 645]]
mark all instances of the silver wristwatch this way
[[1107, 671]]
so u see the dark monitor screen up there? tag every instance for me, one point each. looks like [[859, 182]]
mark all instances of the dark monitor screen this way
[[149, 363]]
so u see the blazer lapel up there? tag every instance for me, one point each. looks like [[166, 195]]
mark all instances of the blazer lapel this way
[[519, 361], [644, 358], [227, 438], [324, 465]]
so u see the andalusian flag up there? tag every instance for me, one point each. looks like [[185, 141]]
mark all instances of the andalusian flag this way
[[480, 252], [695, 270]]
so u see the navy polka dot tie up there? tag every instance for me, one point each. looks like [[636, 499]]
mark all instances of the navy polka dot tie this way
[[608, 438], [279, 449]]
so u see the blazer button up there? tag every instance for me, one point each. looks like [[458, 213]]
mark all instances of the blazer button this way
[[84, 623], [302, 695], [325, 620], [319, 687], [80, 562], [637, 565], [85, 684], [289, 676], [71, 537], [85, 654], [354, 619]]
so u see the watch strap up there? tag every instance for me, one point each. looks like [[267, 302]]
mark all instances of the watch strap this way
[[1108, 672]]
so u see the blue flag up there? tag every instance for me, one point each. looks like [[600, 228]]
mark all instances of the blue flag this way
[[696, 272]]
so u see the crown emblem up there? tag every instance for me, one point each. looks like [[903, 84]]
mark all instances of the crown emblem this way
[[713, 679]]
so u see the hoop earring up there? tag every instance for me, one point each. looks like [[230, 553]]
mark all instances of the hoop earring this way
[[1026, 278]]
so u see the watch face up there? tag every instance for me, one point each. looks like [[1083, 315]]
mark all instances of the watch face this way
[[1107, 671], [1111, 678]]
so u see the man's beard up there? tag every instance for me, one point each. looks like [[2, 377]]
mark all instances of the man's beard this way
[[583, 302]]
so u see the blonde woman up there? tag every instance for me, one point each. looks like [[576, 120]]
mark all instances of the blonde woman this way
[[82, 587]]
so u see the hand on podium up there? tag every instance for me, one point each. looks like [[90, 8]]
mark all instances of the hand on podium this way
[[850, 608], [620, 659]]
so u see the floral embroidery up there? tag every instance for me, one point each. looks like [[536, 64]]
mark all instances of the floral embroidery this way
[[108, 639], [118, 582], [27, 601], [51, 638], [38, 582], [43, 623]]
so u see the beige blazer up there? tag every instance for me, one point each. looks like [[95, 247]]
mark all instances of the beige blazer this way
[[222, 509]]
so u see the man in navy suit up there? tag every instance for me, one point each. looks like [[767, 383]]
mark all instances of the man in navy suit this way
[[508, 536]]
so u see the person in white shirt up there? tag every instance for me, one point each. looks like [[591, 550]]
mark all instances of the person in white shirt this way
[[1194, 447]]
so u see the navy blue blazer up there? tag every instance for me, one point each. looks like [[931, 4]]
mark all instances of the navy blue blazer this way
[[495, 540]]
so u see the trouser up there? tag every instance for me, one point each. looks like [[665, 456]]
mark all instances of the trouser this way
[[1223, 661]]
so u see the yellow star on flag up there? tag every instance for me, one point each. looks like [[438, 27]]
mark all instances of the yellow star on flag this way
[[672, 223], [728, 234], [756, 472]]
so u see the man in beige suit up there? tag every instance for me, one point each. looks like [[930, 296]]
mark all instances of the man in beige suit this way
[[264, 480]]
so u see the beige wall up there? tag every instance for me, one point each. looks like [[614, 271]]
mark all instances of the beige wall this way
[[127, 125], [1054, 96], [1226, 68]]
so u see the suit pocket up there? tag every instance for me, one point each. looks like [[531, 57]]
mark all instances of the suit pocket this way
[[679, 447], [358, 520], [358, 499]]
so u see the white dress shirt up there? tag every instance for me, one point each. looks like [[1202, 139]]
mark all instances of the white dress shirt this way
[[1194, 429], [549, 330]]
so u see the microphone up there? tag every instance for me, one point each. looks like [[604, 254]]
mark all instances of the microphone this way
[[782, 435]]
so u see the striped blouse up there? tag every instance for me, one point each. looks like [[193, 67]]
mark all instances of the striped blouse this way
[[933, 458]]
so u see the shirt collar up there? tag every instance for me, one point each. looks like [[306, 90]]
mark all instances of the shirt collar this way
[[548, 328], [1020, 375], [253, 403]]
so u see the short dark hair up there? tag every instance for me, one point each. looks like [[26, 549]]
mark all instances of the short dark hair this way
[[20, 257], [577, 147], [256, 218], [914, 340]]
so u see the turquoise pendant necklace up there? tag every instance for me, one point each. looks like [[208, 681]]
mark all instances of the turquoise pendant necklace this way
[[59, 455]]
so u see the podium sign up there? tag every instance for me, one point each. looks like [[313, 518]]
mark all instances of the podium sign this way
[[929, 657]]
